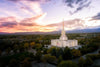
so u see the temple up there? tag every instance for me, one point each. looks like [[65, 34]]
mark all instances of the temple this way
[[63, 40]]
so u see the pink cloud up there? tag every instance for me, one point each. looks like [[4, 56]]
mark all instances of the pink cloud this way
[[25, 25], [7, 19]]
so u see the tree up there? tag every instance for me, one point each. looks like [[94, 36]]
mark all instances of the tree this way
[[38, 46], [81, 62], [26, 63], [59, 52], [67, 53], [45, 51], [99, 51], [88, 61], [60, 59], [8, 50], [15, 48], [21, 48], [26, 46], [52, 51], [38, 55], [21, 57], [32, 44], [0, 52], [76, 53], [13, 63], [48, 58], [67, 64]]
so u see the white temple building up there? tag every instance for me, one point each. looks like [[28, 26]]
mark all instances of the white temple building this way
[[63, 40]]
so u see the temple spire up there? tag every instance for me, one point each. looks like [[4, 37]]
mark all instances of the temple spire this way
[[63, 24], [63, 35], [63, 30]]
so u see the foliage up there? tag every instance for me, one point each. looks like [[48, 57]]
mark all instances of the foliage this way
[[88, 61], [81, 62], [4, 60], [60, 59], [76, 53], [24, 42], [93, 56], [0, 52], [26, 46], [67, 53], [13, 63], [52, 51], [67, 64], [45, 50], [26, 63], [48, 58], [8, 50], [38, 56], [32, 44], [15, 48]]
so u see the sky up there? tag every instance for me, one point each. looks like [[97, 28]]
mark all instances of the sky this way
[[48, 15]]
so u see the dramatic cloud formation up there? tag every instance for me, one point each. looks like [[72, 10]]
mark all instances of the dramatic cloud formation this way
[[25, 25], [47, 15], [77, 4], [97, 17]]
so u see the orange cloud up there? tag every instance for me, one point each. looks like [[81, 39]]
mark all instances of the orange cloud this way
[[25, 25]]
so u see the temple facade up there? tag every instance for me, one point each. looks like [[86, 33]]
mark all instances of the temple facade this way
[[63, 40]]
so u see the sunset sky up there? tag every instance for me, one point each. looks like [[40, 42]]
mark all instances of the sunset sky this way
[[47, 15]]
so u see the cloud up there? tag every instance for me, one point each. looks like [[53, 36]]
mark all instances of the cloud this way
[[30, 0], [10, 21], [28, 24], [97, 17], [77, 5], [76, 24], [7, 19], [25, 25], [34, 6], [30, 6], [70, 24], [8, 24], [81, 7]]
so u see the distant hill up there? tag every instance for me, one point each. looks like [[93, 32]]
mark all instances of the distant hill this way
[[96, 30]]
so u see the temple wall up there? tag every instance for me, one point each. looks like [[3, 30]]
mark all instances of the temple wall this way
[[64, 43]]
